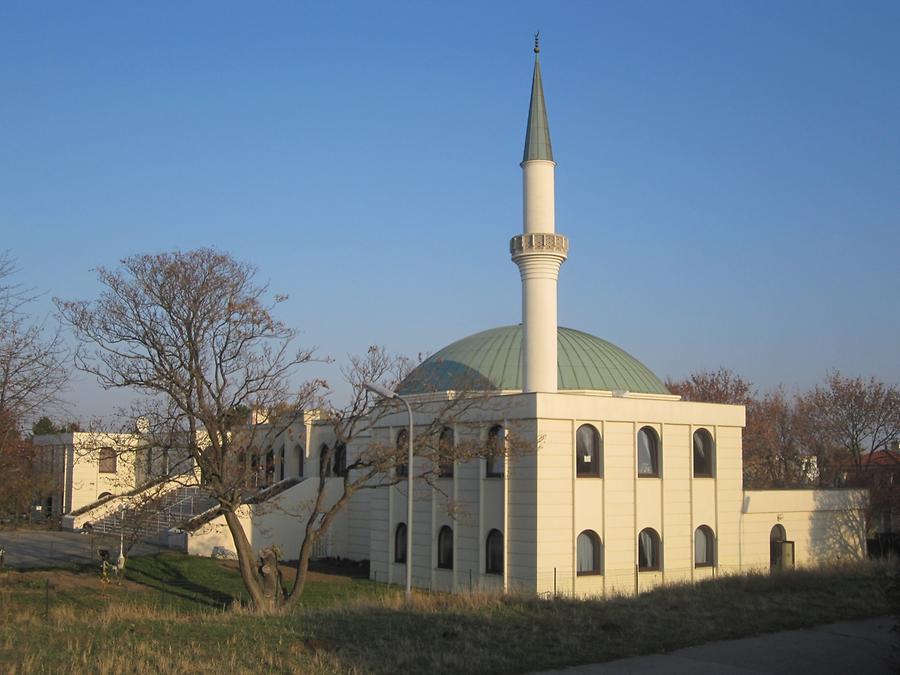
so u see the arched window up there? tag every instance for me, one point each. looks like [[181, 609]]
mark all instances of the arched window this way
[[703, 454], [281, 455], [269, 475], [324, 464], [648, 452], [648, 550], [778, 534], [778, 547], [445, 548], [340, 460], [588, 553], [446, 443], [402, 446], [300, 452], [494, 552], [400, 543], [495, 449], [588, 451], [704, 547]]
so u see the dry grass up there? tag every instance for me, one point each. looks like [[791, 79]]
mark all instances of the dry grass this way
[[370, 629]]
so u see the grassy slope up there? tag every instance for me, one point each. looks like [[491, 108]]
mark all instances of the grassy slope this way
[[169, 617]]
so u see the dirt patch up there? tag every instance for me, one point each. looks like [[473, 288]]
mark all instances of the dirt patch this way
[[324, 571], [60, 580]]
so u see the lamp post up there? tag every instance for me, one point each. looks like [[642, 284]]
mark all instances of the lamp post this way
[[388, 394], [120, 562]]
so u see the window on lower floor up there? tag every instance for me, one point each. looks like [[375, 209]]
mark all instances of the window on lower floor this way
[[648, 550], [400, 543], [445, 548], [494, 552], [704, 547], [588, 553]]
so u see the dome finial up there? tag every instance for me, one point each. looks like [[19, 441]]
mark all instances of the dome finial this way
[[537, 42]]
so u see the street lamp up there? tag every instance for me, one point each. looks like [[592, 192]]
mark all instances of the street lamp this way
[[389, 394]]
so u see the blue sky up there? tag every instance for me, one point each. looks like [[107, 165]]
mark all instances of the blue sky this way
[[729, 173]]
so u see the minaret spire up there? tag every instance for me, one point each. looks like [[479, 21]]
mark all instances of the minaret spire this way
[[538, 252], [537, 131]]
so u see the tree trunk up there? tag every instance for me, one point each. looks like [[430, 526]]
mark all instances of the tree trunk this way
[[270, 576], [302, 570], [245, 562]]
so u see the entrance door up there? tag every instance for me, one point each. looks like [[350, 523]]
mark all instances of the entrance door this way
[[781, 551]]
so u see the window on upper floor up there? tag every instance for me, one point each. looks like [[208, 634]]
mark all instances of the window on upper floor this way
[[495, 451], [300, 452], [446, 444], [324, 465], [340, 460], [648, 550], [648, 452], [445, 548], [589, 553], [107, 460], [400, 543], [588, 452], [494, 552], [402, 447], [703, 454], [704, 547]]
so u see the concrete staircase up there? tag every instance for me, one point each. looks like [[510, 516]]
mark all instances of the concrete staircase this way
[[151, 520]]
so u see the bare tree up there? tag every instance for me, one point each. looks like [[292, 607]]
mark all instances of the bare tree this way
[[775, 454], [195, 333], [720, 386], [853, 416], [27, 478], [32, 359], [847, 421], [32, 375], [375, 464]]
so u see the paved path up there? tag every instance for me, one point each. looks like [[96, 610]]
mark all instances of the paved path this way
[[30, 548], [856, 647]]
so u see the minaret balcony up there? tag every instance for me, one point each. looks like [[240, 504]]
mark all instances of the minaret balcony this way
[[540, 243]]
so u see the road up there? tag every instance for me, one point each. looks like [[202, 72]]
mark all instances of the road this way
[[39, 548], [868, 646]]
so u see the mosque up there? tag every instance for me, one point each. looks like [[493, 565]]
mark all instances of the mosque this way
[[628, 487]]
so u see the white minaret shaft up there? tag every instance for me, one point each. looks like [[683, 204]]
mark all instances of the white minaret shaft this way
[[539, 252]]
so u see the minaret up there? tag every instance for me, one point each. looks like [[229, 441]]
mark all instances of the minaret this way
[[539, 251]]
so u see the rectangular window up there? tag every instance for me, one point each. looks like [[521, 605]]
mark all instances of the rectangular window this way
[[107, 460], [496, 442]]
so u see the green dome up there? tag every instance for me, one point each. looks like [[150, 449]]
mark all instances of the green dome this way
[[492, 360]]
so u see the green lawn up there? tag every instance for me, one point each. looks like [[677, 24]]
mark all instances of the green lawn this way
[[176, 614]]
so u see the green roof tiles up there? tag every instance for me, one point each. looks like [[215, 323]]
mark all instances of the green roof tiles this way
[[537, 133], [492, 360]]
